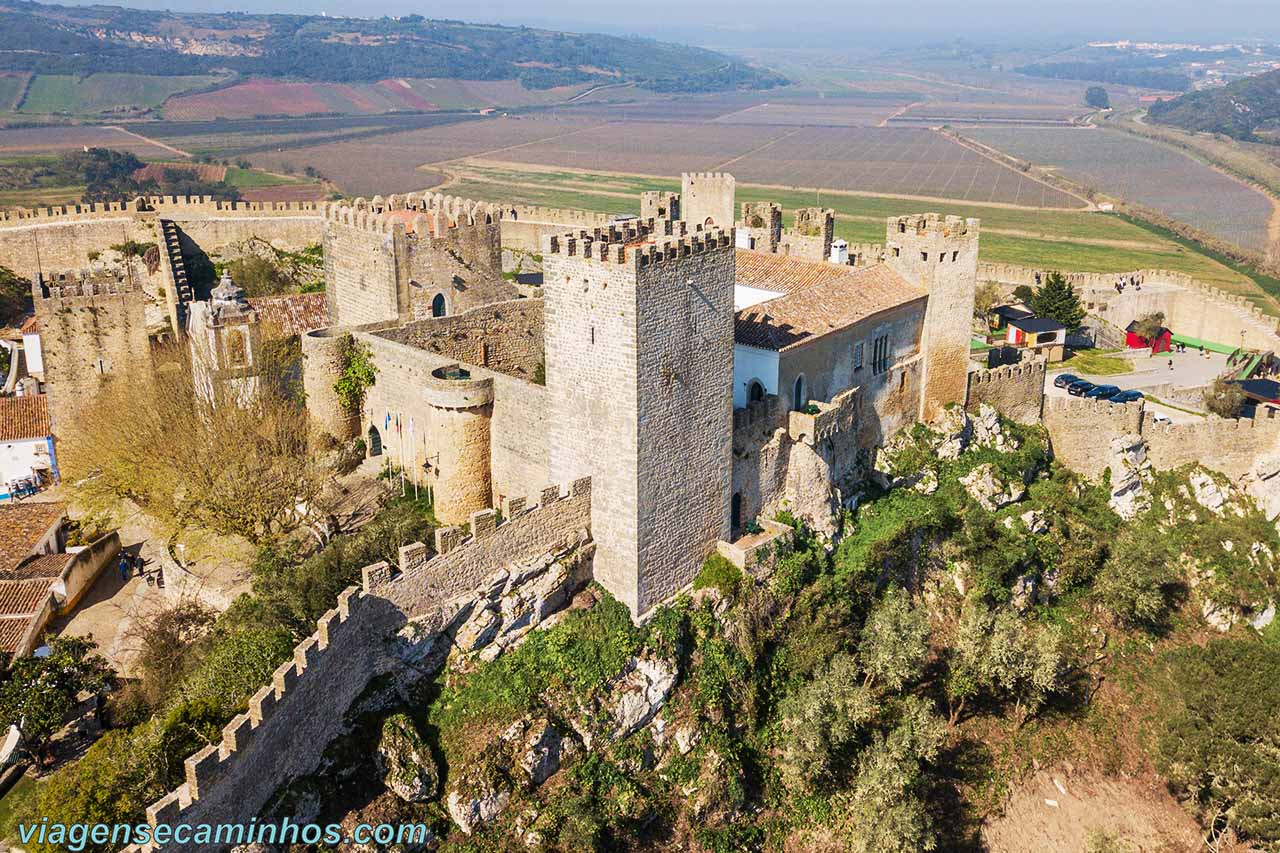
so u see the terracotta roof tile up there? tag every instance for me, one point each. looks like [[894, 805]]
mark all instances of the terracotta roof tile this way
[[12, 630], [291, 314], [18, 598], [45, 566], [818, 298], [31, 326], [22, 526], [23, 418]]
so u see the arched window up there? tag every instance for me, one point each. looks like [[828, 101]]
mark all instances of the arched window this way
[[375, 441], [735, 513], [755, 391], [798, 394], [438, 308]]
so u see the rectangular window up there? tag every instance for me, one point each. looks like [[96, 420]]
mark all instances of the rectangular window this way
[[924, 256], [880, 354], [955, 256], [857, 356]]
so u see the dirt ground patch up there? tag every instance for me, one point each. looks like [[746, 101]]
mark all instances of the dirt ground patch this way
[[1056, 811]]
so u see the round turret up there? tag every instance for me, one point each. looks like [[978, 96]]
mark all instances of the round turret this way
[[322, 351], [461, 410]]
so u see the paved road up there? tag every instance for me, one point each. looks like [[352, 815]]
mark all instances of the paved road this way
[[1190, 369]]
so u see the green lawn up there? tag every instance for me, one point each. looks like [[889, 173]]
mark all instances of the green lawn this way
[[1098, 362], [97, 93], [15, 804], [238, 177], [1046, 239]]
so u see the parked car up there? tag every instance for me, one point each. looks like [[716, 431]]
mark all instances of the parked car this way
[[1126, 397], [1080, 388], [1162, 418], [1102, 392], [1062, 380]]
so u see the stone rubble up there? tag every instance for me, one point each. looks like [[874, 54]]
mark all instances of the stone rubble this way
[[991, 491], [1130, 475]]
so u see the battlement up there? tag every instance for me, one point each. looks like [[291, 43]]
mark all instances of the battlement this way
[[81, 283], [1226, 429], [206, 768], [934, 225], [1030, 368], [830, 420], [1097, 411], [649, 243], [170, 205], [424, 215], [758, 419], [706, 176]]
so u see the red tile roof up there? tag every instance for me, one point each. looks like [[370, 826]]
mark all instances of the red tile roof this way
[[291, 314], [818, 298], [21, 598], [22, 526], [46, 566], [12, 630], [31, 326], [23, 418]]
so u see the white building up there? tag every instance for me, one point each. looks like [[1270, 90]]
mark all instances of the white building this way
[[26, 445]]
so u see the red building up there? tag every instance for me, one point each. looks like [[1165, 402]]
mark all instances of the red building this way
[[1162, 342]]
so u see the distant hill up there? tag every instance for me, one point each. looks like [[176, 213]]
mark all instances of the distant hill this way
[[82, 40], [1240, 109]]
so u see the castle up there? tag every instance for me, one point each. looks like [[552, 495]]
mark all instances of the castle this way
[[698, 384]]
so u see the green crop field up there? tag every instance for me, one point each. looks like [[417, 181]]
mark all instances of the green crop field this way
[[98, 93], [1047, 239], [238, 177]]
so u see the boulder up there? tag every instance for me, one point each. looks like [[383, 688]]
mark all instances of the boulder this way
[[639, 694], [1130, 475], [1035, 521], [1206, 491], [479, 630], [471, 811], [544, 750], [988, 432], [1264, 618], [409, 771], [954, 430], [990, 490], [926, 483], [1025, 589]]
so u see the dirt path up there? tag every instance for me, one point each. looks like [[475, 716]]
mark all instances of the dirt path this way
[[1056, 811], [885, 122], [150, 141], [994, 155]]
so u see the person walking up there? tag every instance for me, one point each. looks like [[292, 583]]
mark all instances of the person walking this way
[[124, 566]]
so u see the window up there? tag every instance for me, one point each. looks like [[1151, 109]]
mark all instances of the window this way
[[897, 252], [955, 256], [735, 513], [438, 308], [797, 394], [857, 356], [880, 354], [755, 392], [924, 256]]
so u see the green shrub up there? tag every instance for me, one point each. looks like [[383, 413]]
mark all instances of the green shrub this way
[[719, 574]]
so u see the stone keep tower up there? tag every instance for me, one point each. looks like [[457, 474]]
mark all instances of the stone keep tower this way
[[707, 199], [639, 361], [941, 255]]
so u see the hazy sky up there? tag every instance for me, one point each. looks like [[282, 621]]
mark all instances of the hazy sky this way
[[769, 22]]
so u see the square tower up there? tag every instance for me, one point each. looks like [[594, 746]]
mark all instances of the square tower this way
[[762, 224], [707, 199], [659, 204], [939, 254], [639, 367]]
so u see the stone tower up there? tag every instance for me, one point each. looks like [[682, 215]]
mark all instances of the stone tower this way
[[818, 222], [659, 204], [461, 412], [225, 341], [762, 223], [639, 344], [707, 199], [941, 255], [323, 352]]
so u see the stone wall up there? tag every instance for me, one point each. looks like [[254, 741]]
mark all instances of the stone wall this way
[[1190, 307], [1228, 446], [524, 227], [290, 721], [505, 337], [92, 331], [1014, 390], [707, 199], [1081, 431]]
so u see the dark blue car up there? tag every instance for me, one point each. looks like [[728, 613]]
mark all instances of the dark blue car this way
[[1080, 388], [1062, 380], [1125, 397], [1102, 392]]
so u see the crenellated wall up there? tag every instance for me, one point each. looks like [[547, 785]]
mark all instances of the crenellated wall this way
[[291, 720], [1014, 390], [1081, 431]]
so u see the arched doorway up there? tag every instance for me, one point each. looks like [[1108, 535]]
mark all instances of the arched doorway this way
[[735, 513], [755, 392], [438, 308], [798, 394], [375, 441]]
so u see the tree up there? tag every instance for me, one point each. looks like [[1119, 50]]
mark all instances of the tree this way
[[39, 692], [197, 456], [1057, 300], [821, 719], [894, 642], [988, 296], [1150, 326], [1024, 294], [15, 297], [1097, 97], [1224, 398], [1217, 742]]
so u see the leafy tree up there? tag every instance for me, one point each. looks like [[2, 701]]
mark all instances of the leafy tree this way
[[1224, 398], [894, 642], [1150, 326], [1134, 584], [1057, 300], [1024, 294], [988, 296], [821, 719], [39, 692], [15, 297], [1097, 97], [1219, 738]]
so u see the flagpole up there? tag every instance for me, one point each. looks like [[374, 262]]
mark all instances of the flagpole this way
[[400, 433], [413, 443]]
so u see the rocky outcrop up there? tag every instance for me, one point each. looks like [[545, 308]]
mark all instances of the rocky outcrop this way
[[1262, 483], [407, 766], [992, 491], [1130, 475], [988, 432]]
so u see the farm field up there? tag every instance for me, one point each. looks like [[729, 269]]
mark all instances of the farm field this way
[[277, 98], [100, 93], [1146, 173], [155, 171], [51, 139], [821, 113], [10, 87], [1049, 239], [227, 138], [987, 113]]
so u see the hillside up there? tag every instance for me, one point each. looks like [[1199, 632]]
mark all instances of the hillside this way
[[1240, 109], [69, 40]]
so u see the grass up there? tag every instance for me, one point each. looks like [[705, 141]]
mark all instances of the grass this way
[[1073, 241], [238, 177], [41, 196], [108, 92], [15, 804], [1096, 363]]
